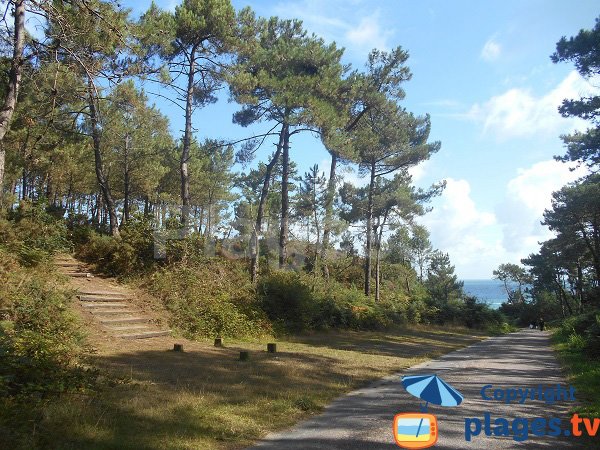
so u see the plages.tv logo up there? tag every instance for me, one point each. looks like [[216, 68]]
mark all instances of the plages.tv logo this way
[[419, 429]]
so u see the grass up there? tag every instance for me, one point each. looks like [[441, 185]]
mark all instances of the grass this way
[[584, 374], [206, 398]]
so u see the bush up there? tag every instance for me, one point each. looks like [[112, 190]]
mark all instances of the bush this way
[[33, 234], [287, 301], [582, 332], [130, 253], [576, 342], [299, 302], [40, 339], [208, 299]]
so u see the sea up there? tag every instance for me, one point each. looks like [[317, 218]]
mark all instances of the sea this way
[[487, 291]]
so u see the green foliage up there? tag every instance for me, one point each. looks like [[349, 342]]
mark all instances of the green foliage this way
[[33, 234], [515, 274], [130, 253], [442, 284], [578, 343], [209, 298], [287, 300], [40, 339], [300, 302], [582, 332], [584, 51]]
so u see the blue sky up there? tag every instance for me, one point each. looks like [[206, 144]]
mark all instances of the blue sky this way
[[482, 71]]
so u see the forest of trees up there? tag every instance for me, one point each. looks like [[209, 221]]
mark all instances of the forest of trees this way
[[80, 133]]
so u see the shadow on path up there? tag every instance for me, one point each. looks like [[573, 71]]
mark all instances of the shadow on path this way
[[363, 419]]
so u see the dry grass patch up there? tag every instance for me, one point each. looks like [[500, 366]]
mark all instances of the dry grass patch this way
[[206, 398]]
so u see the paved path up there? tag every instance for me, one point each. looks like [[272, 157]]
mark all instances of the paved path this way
[[363, 419]]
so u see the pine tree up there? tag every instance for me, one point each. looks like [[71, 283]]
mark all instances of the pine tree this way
[[388, 140], [584, 51], [192, 42], [288, 78], [14, 80]]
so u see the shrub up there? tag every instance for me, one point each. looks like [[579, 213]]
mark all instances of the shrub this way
[[582, 332], [576, 342], [40, 339], [208, 299], [592, 335], [287, 300], [298, 302], [33, 234], [130, 253]]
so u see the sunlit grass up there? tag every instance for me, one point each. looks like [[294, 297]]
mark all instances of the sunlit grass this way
[[205, 398], [584, 374]]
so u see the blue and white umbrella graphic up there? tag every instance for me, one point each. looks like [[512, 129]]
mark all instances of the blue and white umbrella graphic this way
[[432, 389]]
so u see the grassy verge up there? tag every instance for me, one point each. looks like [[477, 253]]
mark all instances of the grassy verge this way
[[206, 398], [578, 356], [584, 374]]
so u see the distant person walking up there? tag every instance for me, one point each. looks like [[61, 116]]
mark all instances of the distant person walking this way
[[541, 323]]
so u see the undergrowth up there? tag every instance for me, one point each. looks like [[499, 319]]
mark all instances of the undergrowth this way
[[577, 340], [41, 341]]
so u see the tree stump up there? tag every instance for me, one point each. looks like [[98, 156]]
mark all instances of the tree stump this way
[[272, 347], [177, 347], [244, 355], [218, 342]]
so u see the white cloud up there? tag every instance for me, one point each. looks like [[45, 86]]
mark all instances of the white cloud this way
[[460, 228], [490, 51], [458, 213], [527, 196], [368, 34], [519, 113], [419, 171], [478, 240], [352, 24], [534, 186]]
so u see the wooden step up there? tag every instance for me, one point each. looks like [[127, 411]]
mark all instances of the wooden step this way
[[88, 291], [101, 298], [112, 311], [128, 327], [68, 264], [64, 258], [145, 334], [104, 305], [79, 274], [125, 320]]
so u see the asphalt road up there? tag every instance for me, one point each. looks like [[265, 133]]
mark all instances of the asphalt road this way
[[363, 419]]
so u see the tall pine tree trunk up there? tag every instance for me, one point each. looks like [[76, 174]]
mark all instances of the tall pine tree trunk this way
[[187, 140], [329, 198], [285, 200], [102, 180], [126, 181], [261, 209], [378, 257], [146, 207], [368, 259], [14, 82]]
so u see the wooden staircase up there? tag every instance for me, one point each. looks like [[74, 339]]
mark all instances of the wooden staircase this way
[[114, 309]]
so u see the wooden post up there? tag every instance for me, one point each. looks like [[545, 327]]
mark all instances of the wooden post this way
[[177, 347], [272, 347], [244, 355], [218, 342]]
